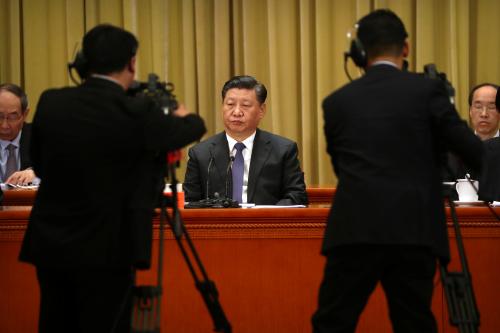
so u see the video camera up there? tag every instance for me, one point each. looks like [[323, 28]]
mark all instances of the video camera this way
[[160, 92], [431, 72]]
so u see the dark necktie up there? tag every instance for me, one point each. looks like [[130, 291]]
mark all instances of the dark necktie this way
[[11, 165], [237, 170]]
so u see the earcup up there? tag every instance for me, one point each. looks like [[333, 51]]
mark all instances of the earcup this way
[[358, 53], [80, 64]]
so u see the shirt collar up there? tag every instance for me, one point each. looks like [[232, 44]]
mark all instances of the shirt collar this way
[[248, 142], [497, 134], [385, 62], [106, 77]]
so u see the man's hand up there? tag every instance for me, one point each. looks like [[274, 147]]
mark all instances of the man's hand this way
[[23, 177], [181, 111]]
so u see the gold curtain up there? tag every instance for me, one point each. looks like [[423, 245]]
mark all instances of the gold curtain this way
[[295, 47]]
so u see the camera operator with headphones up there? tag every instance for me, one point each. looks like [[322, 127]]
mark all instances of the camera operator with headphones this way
[[387, 223], [96, 151]]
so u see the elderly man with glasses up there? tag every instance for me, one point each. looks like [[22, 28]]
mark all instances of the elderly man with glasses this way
[[484, 115], [485, 121], [489, 189], [15, 162]]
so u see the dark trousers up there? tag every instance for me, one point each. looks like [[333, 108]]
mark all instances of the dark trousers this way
[[352, 273], [85, 300]]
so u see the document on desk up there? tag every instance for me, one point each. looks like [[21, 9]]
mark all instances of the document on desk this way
[[277, 206], [6, 186]]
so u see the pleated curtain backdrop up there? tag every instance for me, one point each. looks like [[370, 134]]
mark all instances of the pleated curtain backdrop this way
[[295, 47]]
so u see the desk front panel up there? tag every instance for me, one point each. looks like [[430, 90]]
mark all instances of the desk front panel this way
[[267, 268], [21, 197]]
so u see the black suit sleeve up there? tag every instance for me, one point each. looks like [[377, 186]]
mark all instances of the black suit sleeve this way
[[453, 131], [192, 186], [35, 140], [25, 147], [294, 191], [489, 182], [171, 133]]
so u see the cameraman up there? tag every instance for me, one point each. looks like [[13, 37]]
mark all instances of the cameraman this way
[[387, 223], [96, 152]]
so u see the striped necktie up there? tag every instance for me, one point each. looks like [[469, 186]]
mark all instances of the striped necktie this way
[[11, 165], [237, 170]]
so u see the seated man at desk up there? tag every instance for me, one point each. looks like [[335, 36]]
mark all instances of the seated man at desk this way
[[489, 183], [484, 120], [245, 163], [484, 116], [15, 162]]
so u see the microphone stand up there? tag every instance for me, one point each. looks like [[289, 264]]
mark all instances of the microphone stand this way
[[217, 201], [458, 289]]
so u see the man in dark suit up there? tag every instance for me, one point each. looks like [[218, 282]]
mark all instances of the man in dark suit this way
[[387, 222], [489, 183], [270, 169], [484, 119], [96, 151], [15, 136], [482, 111]]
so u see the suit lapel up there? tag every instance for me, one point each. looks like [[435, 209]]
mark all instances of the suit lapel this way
[[220, 151], [260, 154], [23, 147]]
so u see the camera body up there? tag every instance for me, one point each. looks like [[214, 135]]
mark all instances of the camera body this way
[[160, 92], [431, 72]]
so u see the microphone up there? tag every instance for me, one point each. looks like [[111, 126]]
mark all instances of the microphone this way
[[229, 166], [208, 172], [218, 201]]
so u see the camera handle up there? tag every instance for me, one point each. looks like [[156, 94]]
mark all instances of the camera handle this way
[[205, 286], [146, 312]]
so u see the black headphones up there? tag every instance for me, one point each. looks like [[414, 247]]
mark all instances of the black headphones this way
[[356, 51], [80, 64]]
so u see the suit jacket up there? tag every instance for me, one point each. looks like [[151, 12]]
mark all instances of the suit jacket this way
[[24, 146], [24, 150], [275, 177], [489, 181], [385, 133], [97, 151]]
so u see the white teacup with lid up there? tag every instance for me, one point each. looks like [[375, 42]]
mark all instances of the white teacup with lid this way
[[467, 189]]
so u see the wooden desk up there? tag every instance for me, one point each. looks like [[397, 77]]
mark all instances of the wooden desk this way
[[267, 268], [321, 195], [15, 197]]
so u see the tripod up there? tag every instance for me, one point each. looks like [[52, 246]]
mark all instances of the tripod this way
[[458, 285], [147, 299]]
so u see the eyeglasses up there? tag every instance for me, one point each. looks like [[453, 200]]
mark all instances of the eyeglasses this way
[[11, 117], [478, 107]]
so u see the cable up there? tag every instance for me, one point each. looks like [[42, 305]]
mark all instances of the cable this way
[[346, 56]]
